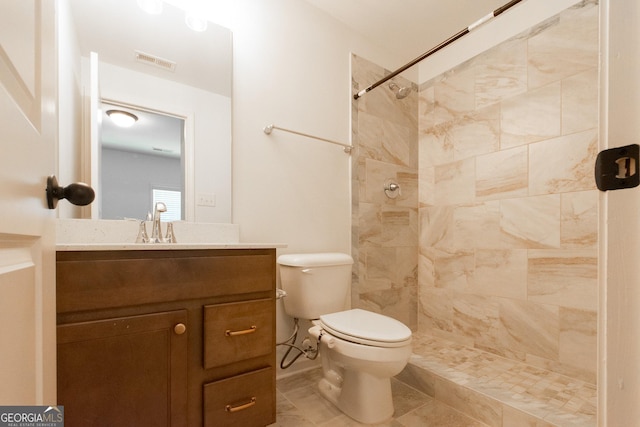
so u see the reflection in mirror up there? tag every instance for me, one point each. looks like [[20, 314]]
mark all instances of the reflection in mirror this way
[[143, 156], [158, 64]]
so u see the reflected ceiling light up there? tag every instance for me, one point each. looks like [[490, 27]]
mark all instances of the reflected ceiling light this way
[[153, 7], [122, 118], [195, 22]]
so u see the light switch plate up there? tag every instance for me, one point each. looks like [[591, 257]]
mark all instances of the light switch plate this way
[[205, 199]]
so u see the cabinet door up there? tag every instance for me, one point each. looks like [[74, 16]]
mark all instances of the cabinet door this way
[[128, 371]]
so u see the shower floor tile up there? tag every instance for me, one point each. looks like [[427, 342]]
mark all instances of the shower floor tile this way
[[558, 399]]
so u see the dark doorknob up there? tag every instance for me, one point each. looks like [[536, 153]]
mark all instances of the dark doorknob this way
[[77, 193]]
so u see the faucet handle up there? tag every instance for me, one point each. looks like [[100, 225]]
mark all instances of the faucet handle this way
[[170, 237], [143, 237]]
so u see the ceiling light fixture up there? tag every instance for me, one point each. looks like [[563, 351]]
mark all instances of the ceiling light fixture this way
[[195, 22], [122, 118], [152, 7]]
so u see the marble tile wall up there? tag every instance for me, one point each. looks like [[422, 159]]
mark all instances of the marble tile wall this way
[[507, 216], [385, 230]]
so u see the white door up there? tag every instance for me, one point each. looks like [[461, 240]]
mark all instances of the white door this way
[[619, 309], [28, 129]]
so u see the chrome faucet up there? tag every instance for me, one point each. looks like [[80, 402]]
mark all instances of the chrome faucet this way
[[156, 232]]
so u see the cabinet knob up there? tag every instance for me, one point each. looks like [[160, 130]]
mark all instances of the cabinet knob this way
[[180, 329]]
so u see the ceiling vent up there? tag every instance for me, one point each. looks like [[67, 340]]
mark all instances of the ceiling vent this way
[[155, 61]]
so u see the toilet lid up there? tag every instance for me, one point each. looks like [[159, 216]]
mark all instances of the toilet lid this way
[[365, 327]]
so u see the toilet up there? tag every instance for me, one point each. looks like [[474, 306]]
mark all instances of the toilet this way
[[360, 350]]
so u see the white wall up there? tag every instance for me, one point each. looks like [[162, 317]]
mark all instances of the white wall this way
[[291, 68]]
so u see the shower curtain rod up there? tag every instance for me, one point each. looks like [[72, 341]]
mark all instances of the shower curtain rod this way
[[445, 43], [269, 128]]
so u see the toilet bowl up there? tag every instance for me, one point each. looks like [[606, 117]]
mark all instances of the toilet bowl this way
[[360, 350], [360, 353]]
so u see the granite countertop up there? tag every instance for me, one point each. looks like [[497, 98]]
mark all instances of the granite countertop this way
[[120, 235], [161, 246]]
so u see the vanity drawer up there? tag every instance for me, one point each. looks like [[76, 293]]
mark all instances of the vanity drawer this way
[[99, 279], [244, 400], [238, 331]]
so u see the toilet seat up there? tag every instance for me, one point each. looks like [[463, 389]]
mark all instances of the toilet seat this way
[[365, 327]]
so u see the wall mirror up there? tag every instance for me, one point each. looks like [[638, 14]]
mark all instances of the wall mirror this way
[[176, 81]]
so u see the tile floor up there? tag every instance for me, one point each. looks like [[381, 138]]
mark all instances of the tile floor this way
[[299, 404]]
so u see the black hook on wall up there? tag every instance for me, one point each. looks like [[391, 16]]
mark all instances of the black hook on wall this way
[[78, 193]]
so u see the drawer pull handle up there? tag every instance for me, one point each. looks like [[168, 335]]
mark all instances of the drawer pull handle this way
[[230, 408], [180, 329], [230, 333]]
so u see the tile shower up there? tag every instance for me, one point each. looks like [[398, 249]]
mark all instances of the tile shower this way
[[493, 242]]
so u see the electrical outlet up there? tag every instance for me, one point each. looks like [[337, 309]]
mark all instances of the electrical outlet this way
[[206, 199]]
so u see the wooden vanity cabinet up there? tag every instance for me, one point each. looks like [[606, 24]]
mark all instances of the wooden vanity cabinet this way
[[166, 337], [124, 371]]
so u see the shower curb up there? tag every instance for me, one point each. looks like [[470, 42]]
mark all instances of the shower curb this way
[[493, 400]]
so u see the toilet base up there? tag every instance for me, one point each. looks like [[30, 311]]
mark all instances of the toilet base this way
[[362, 396]]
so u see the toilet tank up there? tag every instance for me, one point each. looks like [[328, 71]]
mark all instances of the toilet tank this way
[[315, 283]]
